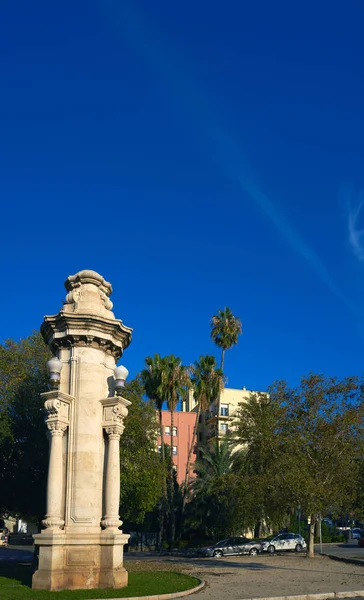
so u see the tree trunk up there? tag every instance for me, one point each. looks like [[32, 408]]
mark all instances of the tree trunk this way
[[311, 540], [219, 400], [173, 516], [163, 502], [188, 466], [161, 435]]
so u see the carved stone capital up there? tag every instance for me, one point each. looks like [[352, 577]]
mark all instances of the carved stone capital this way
[[56, 428], [114, 431]]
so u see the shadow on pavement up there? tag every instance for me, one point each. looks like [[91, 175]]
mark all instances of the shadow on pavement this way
[[19, 572]]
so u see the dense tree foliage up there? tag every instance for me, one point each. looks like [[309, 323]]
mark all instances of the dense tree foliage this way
[[304, 446], [23, 443], [142, 471]]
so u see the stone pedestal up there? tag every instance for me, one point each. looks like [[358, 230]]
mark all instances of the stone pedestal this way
[[82, 545]]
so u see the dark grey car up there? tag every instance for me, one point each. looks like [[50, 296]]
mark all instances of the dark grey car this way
[[232, 546]]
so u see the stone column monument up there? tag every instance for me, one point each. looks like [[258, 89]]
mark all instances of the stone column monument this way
[[81, 545]]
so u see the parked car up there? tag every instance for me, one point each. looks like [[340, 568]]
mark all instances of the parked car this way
[[357, 533], [231, 546], [361, 542], [4, 537], [285, 541]]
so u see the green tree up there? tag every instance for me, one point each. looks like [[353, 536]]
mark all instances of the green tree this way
[[325, 423], [142, 471], [23, 441], [214, 509], [207, 383], [304, 446], [259, 426]]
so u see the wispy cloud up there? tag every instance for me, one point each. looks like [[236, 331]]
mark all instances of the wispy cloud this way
[[356, 235], [221, 144]]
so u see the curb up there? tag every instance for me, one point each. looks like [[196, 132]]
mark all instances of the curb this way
[[353, 561], [328, 596], [193, 590]]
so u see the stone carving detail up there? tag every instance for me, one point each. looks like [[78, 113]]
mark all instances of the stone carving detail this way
[[53, 522], [56, 428], [56, 408], [114, 431], [72, 297], [105, 300], [111, 522]]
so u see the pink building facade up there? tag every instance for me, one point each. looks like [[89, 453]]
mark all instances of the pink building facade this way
[[184, 423]]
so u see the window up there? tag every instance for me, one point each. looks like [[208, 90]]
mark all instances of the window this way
[[200, 419], [174, 450], [223, 427], [167, 430], [159, 449], [224, 410]]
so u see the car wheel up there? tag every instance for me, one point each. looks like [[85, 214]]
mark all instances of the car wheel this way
[[299, 548], [253, 552], [271, 549], [218, 554]]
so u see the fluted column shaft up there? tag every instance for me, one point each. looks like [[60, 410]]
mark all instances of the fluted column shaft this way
[[53, 519]]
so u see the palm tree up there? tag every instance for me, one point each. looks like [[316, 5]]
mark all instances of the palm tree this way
[[207, 382], [152, 379], [174, 379], [225, 330], [216, 461]]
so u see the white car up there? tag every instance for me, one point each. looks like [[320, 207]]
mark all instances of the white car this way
[[284, 541]]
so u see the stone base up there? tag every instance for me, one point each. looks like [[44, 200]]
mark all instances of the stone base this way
[[71, 561]]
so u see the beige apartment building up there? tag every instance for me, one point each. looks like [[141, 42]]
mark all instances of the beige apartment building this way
[[211, 423]]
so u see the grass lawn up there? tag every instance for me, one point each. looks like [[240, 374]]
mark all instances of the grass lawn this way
[[15, 585]]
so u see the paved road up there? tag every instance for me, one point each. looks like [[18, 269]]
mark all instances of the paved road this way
[[351, 550], [239, 577], [16, 554]]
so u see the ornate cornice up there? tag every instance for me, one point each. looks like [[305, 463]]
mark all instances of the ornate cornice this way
[[77, 329]]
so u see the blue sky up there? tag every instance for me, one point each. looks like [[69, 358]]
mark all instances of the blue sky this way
[[198, 155]]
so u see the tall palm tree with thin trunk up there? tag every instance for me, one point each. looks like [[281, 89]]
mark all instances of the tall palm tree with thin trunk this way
[[152, 380], [207, 383], [151, 377], [174, 379], [225, 330]]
